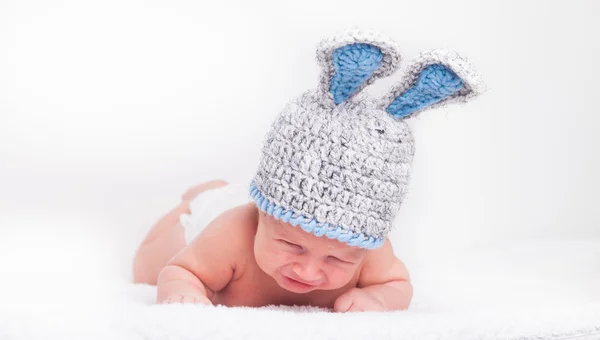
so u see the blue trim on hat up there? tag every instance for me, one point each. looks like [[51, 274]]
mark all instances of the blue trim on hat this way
[[310, 225], [435, 83], [353, 64]]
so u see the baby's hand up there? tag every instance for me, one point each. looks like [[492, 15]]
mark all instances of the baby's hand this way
[[195, 299], [358, 300]]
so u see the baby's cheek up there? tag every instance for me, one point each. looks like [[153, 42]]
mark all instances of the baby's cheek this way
[[339, 277], [264, 259], [271, 260], [281, 258]]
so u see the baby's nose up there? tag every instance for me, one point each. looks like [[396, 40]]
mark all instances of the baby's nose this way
[[308, 271]]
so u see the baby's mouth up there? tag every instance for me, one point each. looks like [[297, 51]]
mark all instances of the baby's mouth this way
[[298, 284], [301, 282]]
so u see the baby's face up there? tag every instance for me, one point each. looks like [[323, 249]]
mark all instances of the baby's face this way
[[301, 262]]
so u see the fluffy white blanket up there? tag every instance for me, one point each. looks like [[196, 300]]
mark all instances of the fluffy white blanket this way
[[69, 289]]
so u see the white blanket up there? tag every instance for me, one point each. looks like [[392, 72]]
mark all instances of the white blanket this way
[[194, 322], [541, 290]]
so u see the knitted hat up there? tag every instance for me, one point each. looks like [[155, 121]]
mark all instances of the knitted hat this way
[[336, 162]]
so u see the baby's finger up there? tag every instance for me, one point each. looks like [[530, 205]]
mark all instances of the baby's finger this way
[[188, 299], [356, 308], [167, 301], [203, 300], [173, 299], [343, 303]]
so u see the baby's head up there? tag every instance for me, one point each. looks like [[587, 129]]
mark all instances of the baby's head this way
[[336, 163]]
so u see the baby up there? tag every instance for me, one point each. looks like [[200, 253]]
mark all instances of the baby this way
[[311, 228], [245, 257]]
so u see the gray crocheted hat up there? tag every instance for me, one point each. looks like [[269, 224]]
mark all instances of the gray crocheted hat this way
[[336, 162]]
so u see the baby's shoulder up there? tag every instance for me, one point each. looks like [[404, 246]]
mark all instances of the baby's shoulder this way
[[241, 222], [381, 265], [231, 233]]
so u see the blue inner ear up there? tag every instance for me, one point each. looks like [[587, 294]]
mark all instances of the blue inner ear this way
[[353, 64], [435, 83]]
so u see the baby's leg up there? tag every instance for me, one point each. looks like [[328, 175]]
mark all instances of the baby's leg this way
[[166, 238]]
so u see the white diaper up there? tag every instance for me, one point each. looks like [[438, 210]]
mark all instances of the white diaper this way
[[210, 204]]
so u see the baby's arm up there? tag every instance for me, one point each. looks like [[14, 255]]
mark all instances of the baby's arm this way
[[384, 284], [206, 265]]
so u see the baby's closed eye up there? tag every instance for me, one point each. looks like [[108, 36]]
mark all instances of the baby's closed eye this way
[[290, 245], [337, 260]]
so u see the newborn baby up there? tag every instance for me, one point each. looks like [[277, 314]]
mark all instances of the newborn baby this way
[[333, 173], [245, 257]]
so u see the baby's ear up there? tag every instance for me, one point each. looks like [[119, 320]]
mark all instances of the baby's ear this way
[[435, 78], [352, 60]]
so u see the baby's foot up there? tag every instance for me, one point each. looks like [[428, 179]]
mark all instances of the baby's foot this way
[[192, 192]]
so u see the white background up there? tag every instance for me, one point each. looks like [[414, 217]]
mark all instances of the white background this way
[[109, 110]]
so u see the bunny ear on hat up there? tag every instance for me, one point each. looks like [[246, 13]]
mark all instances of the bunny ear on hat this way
[[435, 78], [352, 60]]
